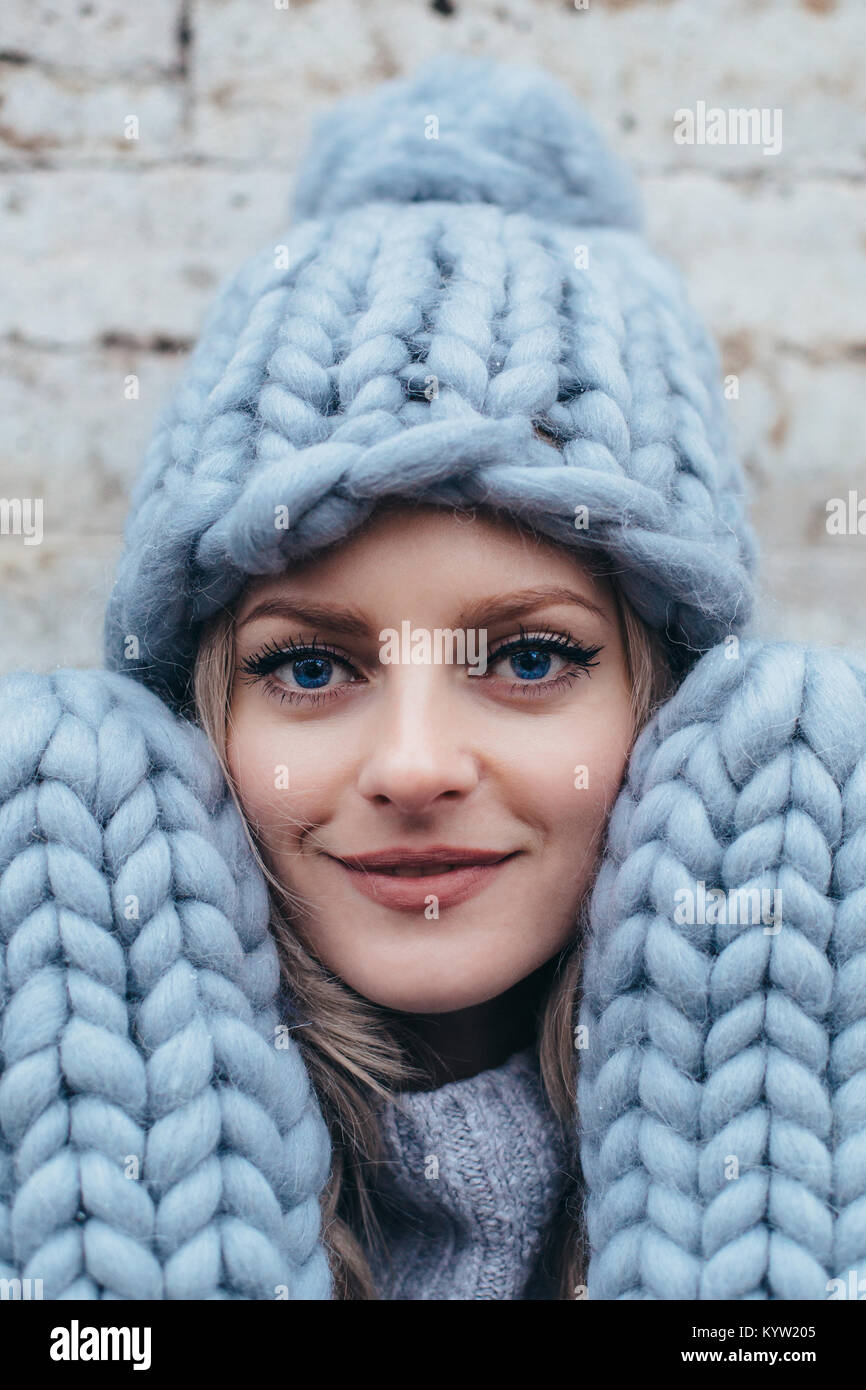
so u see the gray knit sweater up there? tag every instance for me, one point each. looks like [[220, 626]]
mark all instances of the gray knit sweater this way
[[472, 1175]]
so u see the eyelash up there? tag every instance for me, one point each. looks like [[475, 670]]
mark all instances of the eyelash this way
[[260, 665]]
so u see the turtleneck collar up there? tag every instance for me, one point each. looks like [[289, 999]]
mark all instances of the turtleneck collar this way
[[470, 1178]]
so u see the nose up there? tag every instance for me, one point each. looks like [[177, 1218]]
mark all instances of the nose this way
[[417, 753]]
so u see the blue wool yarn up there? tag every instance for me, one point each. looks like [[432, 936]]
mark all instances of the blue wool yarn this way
[[159, 1137], [439, 299], [722, 1073], [468, 130], [722, 1089]]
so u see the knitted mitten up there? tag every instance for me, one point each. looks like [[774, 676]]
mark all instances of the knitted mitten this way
[[722, 1089], [159, 1138]]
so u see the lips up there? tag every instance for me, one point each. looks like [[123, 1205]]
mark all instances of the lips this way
[[436, 857], [406, 879]]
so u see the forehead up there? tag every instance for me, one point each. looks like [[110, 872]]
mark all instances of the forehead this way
[[404, 549]]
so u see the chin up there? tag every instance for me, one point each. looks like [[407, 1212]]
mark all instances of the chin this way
[[420, 997]]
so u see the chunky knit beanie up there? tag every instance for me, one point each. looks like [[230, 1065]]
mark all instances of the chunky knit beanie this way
[[465, 264], [465, 267]]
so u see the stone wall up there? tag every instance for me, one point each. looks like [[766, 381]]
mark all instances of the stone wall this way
[[113, 246]]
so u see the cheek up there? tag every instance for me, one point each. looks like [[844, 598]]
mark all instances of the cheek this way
[[570, 769], [570, 807], [286, 779], [264, 773], [598, 772], [252, 761]]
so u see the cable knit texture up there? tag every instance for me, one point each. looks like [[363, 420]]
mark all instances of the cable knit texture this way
[[722, 1094], [440, 298], [159, 1136], [471, 1176]]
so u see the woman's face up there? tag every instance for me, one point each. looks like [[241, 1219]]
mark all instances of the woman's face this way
[[510, 750]]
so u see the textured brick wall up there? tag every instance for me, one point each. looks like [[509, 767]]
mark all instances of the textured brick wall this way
[[112, 248]]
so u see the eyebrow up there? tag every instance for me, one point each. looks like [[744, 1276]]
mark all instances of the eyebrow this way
[[352, 623]]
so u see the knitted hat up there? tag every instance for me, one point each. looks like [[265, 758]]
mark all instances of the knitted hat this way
[[466, 265]]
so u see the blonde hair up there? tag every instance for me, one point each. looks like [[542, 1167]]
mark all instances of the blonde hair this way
[[355, 1057]]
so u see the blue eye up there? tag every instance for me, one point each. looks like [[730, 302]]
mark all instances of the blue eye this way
[[308, 667], [531, 664], [530, 658], [311, 672]]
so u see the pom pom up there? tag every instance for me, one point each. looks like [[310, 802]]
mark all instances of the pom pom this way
[[467, 130]]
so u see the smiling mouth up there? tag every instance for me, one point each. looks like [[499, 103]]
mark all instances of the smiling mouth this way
[[409, 871], [435, 859], [424, 864], [406, 886]]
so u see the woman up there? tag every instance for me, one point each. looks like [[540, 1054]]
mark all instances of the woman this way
[[463, 412], [414, 756]]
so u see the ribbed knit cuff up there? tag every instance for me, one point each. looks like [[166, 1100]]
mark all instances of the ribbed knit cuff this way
[[472, 1176]]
